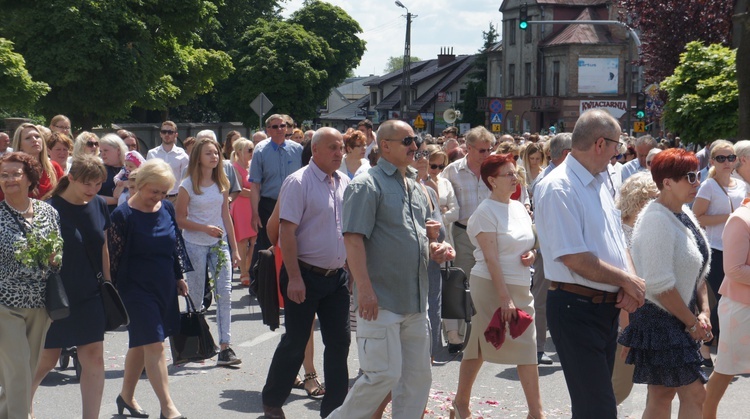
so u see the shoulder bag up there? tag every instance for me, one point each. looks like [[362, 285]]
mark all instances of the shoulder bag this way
[[456, 298], [193, 342]]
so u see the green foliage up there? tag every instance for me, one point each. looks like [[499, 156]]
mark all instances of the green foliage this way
[[477, 87], [19, 92], [397, 63], [703, 94], [36, 249]]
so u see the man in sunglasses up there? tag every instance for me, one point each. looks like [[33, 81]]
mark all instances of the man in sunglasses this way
[[175, 156], [365, 126], [643, 145], [387, 248], [586, 261], [274, 159]]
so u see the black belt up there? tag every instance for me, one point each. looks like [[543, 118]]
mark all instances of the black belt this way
[[459, 225], [172, 195], [319, 271]]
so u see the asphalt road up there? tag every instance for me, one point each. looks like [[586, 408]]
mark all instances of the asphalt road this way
[[207, 391]]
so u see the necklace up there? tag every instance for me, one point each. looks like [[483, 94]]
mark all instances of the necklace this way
[[21, 213]]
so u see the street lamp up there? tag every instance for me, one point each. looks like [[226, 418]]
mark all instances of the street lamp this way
[[406, 69]]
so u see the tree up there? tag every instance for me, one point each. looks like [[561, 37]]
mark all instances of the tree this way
[[667, 26], [19, 92], [703, 94], [477, 86], [397, 63], [741, 40]]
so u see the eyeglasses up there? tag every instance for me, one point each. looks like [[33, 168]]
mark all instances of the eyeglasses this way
[[132, 147], [92, 144], [421, 155], [482, 150], [437, 166], [612, 141], [62, 128], [508, 175], [279, 126], [406, 142], [730, 158], [693, 177], [167, 131], [11, 176]]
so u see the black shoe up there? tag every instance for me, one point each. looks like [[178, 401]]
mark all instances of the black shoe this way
[[543, 359], [134, 413], [454, 348], [708, 362], [227, 357]]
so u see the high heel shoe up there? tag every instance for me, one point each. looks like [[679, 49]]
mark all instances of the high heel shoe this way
[[134, 413], [454, 414], [161, 416]]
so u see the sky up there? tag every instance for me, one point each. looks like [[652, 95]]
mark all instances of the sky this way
[[438, 23]]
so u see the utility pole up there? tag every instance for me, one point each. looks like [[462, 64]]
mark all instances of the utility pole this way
[[406, 70]]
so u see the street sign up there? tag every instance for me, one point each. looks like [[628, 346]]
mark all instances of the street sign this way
[[508, 105], [261, 105], [496, 105], [496, 118], [419, 122], [497, 127], [639, 126]]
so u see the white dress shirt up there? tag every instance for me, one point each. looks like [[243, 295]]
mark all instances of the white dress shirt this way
[[177, 159]]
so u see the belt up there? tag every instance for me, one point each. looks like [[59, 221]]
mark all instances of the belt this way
[[172, 195], [596, 296], [459, 225], [319, 271]]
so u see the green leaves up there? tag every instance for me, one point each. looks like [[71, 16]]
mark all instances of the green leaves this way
[[37, 249], [19, 92]]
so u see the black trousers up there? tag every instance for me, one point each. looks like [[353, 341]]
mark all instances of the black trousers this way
[[265, 209], [585, 336], [714, 280], [329, 298]]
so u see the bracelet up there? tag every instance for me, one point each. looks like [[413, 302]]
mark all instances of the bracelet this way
[[692, 328]]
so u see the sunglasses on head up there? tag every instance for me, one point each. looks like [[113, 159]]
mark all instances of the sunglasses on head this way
[[693, 177], [730, 158], [92, 144], [437, 166], [406, 142], [167, 131]]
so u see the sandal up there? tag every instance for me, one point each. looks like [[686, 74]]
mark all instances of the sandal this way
[[317, 392], [245, 280]]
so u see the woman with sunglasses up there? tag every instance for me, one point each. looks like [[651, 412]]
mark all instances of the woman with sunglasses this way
[[86, 143], [664, 334], [446, 194], [718, 197]]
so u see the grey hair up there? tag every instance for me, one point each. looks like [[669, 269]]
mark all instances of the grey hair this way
[[635, 193], [592, 125], [741, 149], [321, 133], [479, 133], [559, 143], [114, 141], [645, 140], [206, 133], [653, 152]]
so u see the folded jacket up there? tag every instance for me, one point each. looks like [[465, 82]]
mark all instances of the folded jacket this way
[[495, 333]]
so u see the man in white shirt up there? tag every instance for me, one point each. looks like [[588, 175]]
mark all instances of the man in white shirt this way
[[175, 156], [4, 144], [642, 145], [587, 264], [365, 126]]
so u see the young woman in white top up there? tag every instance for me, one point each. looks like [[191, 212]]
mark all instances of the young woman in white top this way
[[203, 213], [717, 198]]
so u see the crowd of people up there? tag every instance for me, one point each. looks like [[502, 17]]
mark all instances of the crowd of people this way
[[562, 233]]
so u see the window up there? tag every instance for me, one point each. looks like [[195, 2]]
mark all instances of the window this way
[[511, 79], [527, 79], [556, 78], [527, 34], [512, 32], [461, 94]]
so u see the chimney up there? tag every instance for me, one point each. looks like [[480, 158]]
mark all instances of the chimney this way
[[446, 56]]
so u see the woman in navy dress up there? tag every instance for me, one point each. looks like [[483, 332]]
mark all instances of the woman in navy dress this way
[[83, 220], [147, 262]]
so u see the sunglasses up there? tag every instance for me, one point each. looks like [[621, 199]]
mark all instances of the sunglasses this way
[[421, 155], [730, 158], [279, 126], [406, 142], [92, 144], [693, 177], [483, 150], [437, 166], [167, 131]]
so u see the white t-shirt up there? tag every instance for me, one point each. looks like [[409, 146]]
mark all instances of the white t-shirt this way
[[203, 209], [718, 203], [515, 237]]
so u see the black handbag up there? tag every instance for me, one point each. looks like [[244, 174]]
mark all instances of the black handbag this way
[[194, 341], [115, 314], [456, 301], [56, 300]]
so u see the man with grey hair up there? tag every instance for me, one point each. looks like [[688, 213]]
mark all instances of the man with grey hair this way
[[259, 136], [308, 135], [587, 263], [4, 143], [642, 145]]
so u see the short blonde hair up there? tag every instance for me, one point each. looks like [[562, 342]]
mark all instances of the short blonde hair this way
[[635, 193], [157, 172]]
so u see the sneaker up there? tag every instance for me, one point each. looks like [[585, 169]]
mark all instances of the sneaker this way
[[543, 359], [227, 357]]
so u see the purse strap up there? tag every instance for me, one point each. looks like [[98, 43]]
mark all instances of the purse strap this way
[[727, 194]]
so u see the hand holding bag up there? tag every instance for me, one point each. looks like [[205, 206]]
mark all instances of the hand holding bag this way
[[194, 341]]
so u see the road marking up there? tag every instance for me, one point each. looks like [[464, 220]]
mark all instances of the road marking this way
[[260, 339]]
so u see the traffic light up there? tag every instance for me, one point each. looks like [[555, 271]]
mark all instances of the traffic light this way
[[523, 17], [640, 106]]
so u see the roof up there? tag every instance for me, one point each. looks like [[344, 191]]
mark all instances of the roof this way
[[581, 34], [354, 87], [567, 3], [350, 112], [396, 75]]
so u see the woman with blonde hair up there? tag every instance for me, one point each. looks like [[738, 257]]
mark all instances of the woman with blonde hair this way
[[86, 143], [27, 139], [112, 151], [203, 213], [533, 163], [61, 124], [717, 198], [241, 209]]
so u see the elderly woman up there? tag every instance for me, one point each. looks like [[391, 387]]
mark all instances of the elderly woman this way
[[59, 146], [28, 140], [663, 334], [86, 143], [112, 151], [650, 156], [733, 356], [501, 230], [148, 260], [717, 197], [23, 319], [84, 219], [354, 159]]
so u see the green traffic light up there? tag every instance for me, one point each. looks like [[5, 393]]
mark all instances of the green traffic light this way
[[640, 114], [523, 25]]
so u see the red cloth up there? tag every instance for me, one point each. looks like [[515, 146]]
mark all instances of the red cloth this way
[[517, 194], [495, 333]]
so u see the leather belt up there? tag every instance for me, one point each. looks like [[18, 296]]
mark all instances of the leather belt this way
[[596, 296], [459, 225], [317, 270]]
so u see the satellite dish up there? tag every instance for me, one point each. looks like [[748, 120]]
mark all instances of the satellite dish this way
[[450, 116]]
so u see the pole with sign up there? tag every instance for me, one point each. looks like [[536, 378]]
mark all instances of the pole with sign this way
[[261, 105]]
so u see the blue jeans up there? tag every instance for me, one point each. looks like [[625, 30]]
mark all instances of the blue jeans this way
[[200, 257]]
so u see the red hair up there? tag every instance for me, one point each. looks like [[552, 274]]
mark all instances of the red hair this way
[[492, 164], [673, 163]]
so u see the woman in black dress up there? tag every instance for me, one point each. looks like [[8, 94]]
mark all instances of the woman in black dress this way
[[83, 220]]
